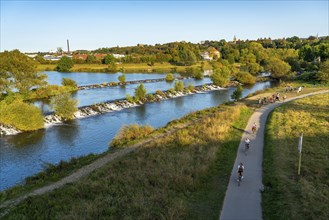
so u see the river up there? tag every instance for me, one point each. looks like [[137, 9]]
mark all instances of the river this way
[[26, 154]]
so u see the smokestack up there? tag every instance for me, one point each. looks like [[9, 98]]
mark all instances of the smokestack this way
[[68, 47]]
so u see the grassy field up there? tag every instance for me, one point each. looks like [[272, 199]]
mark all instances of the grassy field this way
[[182, 175], [287, 195], [135, 67]]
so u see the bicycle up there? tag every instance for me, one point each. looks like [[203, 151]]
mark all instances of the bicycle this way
[[239, 178], [246, 148]]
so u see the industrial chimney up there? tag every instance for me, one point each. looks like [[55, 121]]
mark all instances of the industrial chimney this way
[[68, 47]]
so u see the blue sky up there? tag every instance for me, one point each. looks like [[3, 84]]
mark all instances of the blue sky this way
[[33, 26]]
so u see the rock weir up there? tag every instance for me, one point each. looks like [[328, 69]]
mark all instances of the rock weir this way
[[116, 105]]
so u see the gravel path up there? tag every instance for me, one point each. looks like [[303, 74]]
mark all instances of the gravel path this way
[[244, 201]]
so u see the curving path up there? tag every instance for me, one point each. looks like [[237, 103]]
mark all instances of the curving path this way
[[244, 202]]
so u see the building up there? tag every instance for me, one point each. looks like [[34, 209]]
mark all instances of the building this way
[[205, 56]]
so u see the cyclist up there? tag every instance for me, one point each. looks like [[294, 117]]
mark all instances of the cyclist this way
[[247, 143], [240, 171], [254, 127]]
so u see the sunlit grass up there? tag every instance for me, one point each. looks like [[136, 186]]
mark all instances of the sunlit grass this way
[[164, 179], [287, 195]]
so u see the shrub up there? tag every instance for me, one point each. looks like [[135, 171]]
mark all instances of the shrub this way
[[129, 133], [160, 93], [179, 85], [64, 106], [245, 78], [69, 82], [64, 64], [237, 93], [129, 98], [122, 78], [191, 87], [140, 92], [170, 77], [21, 115]]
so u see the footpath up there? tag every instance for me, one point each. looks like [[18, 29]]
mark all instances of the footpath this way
[[244, 201]]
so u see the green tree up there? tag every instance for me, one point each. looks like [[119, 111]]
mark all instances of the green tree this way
[[179, 85], [69, 82], [245, 78], [108, 59], [64, 106], [237, 94], [221, 76], [21, 115], [64, 64], [323, 73], [90, 59], [19, 71], [277, 67], [140, 92], [122, 78], [170, 77]]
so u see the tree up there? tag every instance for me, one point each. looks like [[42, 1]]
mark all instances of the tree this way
[[122, 78], [108, 59], [277, 67], [221, 76], [64, 64], [21, 115], [245, 78], [19, 71], [170, 77], [64, 106], [140, 92], [69, 82], [179, 85], [90, 59], [237, 94], [323, 73]]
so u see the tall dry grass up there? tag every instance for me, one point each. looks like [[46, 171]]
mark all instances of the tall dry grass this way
[[162, 180]]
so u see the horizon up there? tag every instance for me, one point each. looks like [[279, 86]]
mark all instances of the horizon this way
[[47, 25]]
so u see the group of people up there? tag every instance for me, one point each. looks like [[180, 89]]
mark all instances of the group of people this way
[[271, 99], [291, 89], [247, 145]]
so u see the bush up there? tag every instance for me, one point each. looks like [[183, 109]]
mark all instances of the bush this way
[[140, 92], [69, 82], [160, 93], [64, 64], [237, 93], [64, 106], [245, 78], [21, 115], [191, 87], [129, 98], [179, 86], [170, 77], [122, 78], [129, 133]]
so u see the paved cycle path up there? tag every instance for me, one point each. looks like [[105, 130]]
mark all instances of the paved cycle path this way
[[244, 201]]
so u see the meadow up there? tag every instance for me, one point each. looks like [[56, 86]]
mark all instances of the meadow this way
[[288, 195], [181, 175]]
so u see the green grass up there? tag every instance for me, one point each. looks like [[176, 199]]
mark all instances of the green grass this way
[[287, 195], [174, 177], [164, 67], [52, 174]]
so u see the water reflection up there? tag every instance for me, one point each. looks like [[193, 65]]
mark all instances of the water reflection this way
[[66, 133], [25, 139]]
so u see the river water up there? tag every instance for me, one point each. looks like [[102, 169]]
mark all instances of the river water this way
[[27, 153]]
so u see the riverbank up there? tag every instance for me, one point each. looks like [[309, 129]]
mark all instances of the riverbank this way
[[200, 144], [164, 67], [116, 105], [186, 199]]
